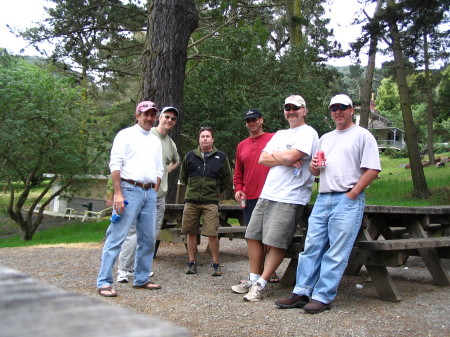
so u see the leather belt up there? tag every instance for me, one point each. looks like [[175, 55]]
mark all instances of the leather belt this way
[[136, 183], [334, 192]]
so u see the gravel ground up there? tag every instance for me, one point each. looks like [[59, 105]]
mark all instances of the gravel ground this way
[[207, 307]]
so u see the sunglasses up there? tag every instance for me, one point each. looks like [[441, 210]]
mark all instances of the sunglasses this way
[[251, 120], [294, 108], [341, 107], [173, 119]]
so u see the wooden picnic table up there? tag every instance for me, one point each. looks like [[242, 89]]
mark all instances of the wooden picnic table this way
[[171, 227], [32, 308], [388, 236]]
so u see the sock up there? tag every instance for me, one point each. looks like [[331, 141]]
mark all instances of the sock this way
[[262, 282], [254, 277]]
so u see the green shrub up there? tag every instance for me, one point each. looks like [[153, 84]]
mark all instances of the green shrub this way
[[394, 154]]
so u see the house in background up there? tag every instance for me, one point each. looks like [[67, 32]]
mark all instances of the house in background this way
[[387, 136], [90, 193]]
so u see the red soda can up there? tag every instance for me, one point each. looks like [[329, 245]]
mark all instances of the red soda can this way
[[320, 159], [243, 202]]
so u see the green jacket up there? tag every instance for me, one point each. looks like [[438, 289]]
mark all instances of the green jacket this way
[[205, 179]]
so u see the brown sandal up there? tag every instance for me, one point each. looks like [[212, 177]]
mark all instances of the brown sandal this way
[[147, 285], [107, 288], [274, 278]]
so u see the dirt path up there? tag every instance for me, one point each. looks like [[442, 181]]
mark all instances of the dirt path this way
[[206, 306]]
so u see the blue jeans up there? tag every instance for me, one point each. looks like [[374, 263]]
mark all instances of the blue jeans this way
[[141, 209], [128, 250], [251, 203], [332, 229]]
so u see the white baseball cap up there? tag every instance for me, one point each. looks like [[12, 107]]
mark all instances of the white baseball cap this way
[[296, 100], [341, 99]]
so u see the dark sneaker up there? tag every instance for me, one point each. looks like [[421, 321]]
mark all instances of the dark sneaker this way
[[191, 268], [293, 301], [316, 307], [216, 270]]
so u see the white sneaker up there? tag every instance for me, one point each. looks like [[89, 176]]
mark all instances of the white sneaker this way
[[130, 273], [255, 293], [243, 287], [122, 276], [152, 273]]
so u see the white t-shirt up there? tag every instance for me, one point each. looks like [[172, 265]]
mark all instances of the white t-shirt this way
[[137, 154], [347, 152], [281, 184]]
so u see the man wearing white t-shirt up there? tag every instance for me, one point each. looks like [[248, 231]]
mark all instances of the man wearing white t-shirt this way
[[352, 163], [285, 193]]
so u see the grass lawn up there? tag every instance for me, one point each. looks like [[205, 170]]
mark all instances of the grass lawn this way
[[393, 188]]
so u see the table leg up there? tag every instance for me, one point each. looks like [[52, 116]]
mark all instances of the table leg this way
[[382, 280], [290, 274], [429, 255], [384, 284]]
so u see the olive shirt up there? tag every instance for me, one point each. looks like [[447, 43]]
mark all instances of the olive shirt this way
[[170, 155]]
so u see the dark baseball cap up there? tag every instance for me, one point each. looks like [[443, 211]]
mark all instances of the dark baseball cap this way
[[252, 113]]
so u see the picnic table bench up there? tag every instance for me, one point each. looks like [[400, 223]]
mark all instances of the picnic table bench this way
[[31, 308], [389, 235], [171, 226]]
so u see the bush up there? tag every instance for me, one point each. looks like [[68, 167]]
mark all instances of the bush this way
[[394, 154]]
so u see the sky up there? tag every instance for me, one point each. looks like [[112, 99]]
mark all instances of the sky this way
[[26, 13]]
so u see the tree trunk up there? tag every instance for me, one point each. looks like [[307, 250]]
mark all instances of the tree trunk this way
[[367, 86], [170, 24], [418, 176], [429, 100], [294, 15]]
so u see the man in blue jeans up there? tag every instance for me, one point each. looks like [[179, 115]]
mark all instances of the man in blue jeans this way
[[136, 171], [352, 163]]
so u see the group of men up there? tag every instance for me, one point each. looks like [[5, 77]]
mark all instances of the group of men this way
[[274, 174]]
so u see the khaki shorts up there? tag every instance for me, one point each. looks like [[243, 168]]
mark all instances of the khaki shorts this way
[[191, 219], [274, 223]]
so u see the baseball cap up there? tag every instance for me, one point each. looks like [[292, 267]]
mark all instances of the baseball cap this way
[[252, 113], [295, 100], [146, 105], [341, 99], [170, 108]]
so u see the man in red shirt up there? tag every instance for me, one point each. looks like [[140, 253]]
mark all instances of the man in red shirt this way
[[249, 176]]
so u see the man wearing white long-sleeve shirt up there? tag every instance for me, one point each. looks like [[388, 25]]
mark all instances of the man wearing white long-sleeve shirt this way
[[136, 170]]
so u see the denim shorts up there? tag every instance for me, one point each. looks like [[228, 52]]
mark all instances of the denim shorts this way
[[274, 223]]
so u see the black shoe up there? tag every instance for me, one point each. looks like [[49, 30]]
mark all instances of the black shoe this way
[[293, 301], [191, 268], [316, 307], [216, 270]]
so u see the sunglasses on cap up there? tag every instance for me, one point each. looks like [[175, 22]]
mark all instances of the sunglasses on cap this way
[[173, 119], [294, 108], [341, 107]]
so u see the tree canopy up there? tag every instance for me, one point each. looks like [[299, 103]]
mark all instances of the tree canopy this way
[[47, 128]]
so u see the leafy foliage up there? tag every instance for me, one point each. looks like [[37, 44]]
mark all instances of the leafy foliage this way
[[249, 75], [47, 128]]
